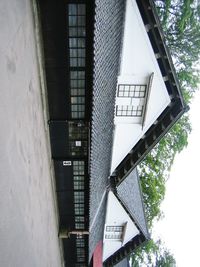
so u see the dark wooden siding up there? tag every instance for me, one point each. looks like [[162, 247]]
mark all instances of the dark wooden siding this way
[[69, 134]]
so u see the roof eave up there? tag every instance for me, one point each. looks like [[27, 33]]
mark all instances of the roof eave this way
[[149, 13]]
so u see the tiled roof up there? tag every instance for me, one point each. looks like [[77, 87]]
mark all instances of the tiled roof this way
[[107, 47], [129, 192], [172, 112], [96, 234]]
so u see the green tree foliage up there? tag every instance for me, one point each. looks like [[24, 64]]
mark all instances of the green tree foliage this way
[[165, 260], [154, 170], [181, 24], [153, 254]]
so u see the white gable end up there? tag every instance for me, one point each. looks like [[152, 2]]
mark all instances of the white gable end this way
[[138, 62], [116, 216]]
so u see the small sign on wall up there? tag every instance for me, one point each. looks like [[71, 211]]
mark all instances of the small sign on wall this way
[[67, 163], [78, 143]]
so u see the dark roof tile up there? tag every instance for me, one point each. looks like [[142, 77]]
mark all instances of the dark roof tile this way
[[107, 49], [130, 194]]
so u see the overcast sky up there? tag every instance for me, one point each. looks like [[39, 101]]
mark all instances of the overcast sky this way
[[180, 229]]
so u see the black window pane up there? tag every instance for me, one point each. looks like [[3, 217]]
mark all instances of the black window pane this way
[[81, 52], [72, 9], [81, 83], [73, 74], [73, 62], [74, 92], [73, 32], [74, 108], [74, 83], [81, 21], [81, 74], [81, 91], [73, 21], [78, 100], [81, 42], [81, 62], [81, 31], [81, 9], [72, 42]]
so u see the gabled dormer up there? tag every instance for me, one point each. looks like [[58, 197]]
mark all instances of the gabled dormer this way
[[132, 100], [148, 99], [125, 224]]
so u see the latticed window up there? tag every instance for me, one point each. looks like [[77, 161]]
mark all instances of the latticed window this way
[[77, 131], [114, 228], [78, 148], [76, 14], [79, 205], [79, 185], [77, 52], [79, 209], [117, 236], [78, 167], [78, 111], [79, 225], [80, 253], [114, 232], [81, 259], [79, 219], [79, 100], [129, 111], [78, 196], [79, 178], [136, 91], [77, 83], [78, 135], [80, 242], [77, 58]]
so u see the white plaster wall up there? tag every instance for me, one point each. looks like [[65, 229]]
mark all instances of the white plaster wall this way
[[137, 63], [116, 215]]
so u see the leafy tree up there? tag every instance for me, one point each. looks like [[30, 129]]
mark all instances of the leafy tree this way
[[181, 24], [153, 254], [165, 260], [155, 169]]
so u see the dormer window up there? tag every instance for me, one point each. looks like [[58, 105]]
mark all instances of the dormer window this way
[[115, 232], [134, 97], [132, 111], [132, 102], [126, 90], [115, 236], [114, 228]]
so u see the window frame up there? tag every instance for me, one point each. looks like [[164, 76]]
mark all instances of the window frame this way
[[114, 228], [114, 236], [129, 111], [76, 17], [132, 90]]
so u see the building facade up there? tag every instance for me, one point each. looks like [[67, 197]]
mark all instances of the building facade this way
[[112, 94]]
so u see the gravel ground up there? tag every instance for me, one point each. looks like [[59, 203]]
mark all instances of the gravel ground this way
[[28, 221]]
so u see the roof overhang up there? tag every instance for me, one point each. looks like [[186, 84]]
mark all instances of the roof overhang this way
[[172, 112]]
